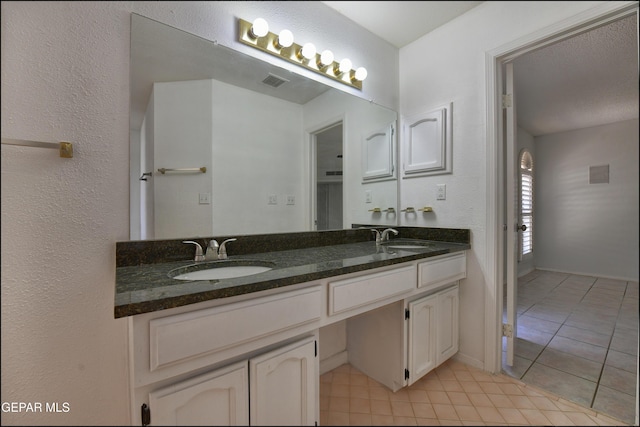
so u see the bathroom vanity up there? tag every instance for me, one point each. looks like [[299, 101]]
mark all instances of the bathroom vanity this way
[[245, 350]]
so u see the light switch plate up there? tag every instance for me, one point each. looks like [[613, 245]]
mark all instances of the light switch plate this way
[[204, 198], [273, 199]]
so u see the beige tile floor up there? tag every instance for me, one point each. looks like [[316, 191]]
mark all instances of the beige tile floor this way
[[452, 394], [578, 339]]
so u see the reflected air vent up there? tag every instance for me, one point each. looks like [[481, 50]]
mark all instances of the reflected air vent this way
[[333, 173], [273, 80]]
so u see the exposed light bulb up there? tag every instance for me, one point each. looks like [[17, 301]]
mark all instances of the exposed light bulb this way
[[326, 58], [285, 38], [361, 73], [308, 51], [260, 28], [345, 66]]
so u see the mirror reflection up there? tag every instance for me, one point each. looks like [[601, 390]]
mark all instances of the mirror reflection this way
[[223, 143]]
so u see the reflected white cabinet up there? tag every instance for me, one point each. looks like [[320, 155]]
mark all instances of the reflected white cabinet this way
[[378, 158], [281, 389]]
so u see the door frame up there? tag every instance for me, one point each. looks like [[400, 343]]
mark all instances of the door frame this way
[[577, 24]]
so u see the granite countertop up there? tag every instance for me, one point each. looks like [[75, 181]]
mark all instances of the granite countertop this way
[[148, 287]]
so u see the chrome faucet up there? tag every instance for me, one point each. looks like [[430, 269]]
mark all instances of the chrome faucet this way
[[212, 250], [222, 252], [377, 233], [199, 255], [385, 234]]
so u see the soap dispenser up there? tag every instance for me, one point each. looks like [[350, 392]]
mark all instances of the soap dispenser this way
[[212, 250]]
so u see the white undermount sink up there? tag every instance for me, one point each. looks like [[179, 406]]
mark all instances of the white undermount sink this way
[[409, 245], [218, 270]]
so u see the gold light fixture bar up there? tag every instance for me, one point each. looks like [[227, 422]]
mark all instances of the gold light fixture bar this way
[[269, 44]]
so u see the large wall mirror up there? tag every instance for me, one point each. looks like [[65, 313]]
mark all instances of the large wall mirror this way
[[223, 143]]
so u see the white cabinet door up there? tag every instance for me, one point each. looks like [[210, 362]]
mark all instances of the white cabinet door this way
[[377, 155], [284, 385], [447, 321], [215, 398], [427, 142], [422, 337]]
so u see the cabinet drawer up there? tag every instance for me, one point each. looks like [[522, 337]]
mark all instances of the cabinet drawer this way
[[192, 334], [355, 292], [442, 270]]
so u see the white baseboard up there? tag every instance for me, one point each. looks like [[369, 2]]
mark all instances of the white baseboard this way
[[467, 360], [332, 362]]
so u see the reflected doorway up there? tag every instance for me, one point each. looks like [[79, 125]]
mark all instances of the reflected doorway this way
[[329, 178]]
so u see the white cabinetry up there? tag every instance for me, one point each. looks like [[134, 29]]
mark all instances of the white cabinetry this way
[[254, 361], [447, 324], [422, 337], [284, 385], [400, 342], [216, 398], [282, 390], [217, 364], [433, 332]]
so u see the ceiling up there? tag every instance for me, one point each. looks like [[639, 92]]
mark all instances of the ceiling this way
[[401, 22], [588, 80]]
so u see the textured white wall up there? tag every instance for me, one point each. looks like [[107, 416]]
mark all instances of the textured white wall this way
[[65, 76], [254, 157], [584, 228], [448, 65], [183, 132]]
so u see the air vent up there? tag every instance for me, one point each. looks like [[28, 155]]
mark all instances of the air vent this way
[[273, 80], [333, 173]]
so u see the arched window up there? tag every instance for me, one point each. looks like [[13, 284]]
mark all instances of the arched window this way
[[526, 202]]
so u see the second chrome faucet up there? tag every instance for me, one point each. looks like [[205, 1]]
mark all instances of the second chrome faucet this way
[[384, 236]]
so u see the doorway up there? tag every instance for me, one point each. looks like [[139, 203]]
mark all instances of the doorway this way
[[328, 177], [548, 334]]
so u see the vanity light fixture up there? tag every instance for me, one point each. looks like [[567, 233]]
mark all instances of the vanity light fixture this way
[[282, 45], [285, 39], [308, 51], [343, 67], [360, 74], [326, 58], [259, 28]]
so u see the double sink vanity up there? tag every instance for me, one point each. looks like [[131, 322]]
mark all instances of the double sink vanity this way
[[241, 340]]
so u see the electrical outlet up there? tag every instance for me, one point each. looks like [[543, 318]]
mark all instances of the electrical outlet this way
[[368, 198], [204, 198], [273, 199], [441, 192], [291, 200]]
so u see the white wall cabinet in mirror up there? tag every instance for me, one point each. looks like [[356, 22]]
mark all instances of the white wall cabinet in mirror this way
[[427, 143], [377, 154]]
